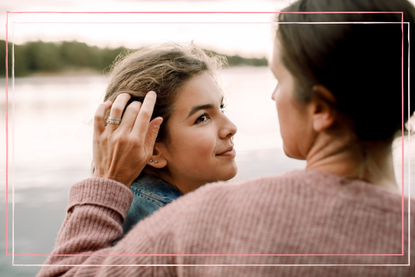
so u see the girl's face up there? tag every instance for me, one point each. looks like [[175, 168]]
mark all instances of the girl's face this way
[[200, 145]]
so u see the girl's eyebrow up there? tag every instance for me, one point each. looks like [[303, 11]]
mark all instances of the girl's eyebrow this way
[[202, 107]]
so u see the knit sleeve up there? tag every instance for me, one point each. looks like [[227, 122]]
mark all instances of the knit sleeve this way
[[96, 210]]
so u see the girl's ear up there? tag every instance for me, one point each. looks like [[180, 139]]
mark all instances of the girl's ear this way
[[157, 160], [323, 111]]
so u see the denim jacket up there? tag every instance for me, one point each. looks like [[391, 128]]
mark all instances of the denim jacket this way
[[150, 194]]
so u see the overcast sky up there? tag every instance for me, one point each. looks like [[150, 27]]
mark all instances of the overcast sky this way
[[245, 34]]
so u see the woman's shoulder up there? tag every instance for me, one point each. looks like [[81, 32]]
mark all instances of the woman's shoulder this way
[[258, 190], [287, 181], [303, 185]]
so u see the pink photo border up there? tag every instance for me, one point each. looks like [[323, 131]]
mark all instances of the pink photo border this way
[[7, 141]]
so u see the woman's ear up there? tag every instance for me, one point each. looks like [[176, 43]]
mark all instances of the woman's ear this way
[[323, 110], [157, 160]]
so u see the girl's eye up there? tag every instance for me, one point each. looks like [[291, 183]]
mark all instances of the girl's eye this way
[[204, 117]]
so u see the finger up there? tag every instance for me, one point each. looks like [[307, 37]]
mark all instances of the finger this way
[[99, 123], [144, 116], [129, 117], [152, 133], [117, 108]]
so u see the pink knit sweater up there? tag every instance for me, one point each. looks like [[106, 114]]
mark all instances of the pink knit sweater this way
[[301, 223]]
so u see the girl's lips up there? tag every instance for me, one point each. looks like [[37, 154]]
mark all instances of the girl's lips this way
[[230, 153]]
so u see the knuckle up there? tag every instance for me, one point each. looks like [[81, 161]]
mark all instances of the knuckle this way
[[134, 106], [97, 116], [146, 114], [154, 133], [116, 110], [135, 144], [119, 139]]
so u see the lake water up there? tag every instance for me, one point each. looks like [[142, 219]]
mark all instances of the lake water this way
[[50, 133]]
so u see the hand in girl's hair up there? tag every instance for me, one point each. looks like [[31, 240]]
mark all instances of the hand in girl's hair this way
[[121, 151]]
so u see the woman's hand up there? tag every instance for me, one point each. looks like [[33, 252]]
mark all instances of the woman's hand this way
[[121, 151]]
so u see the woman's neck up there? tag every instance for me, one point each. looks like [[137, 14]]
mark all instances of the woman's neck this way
[[342, 155]]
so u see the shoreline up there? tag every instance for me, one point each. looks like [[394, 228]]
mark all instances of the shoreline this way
[[86, 71]]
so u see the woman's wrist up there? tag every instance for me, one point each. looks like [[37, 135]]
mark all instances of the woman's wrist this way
[[101, 192], [119, 179]]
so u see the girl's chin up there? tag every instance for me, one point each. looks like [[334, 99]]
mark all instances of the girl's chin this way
[[231, 173]]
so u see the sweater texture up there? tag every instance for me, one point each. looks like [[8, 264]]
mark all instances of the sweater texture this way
[[300, 223]]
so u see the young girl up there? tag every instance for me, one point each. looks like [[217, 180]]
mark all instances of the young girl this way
[[194, 145]]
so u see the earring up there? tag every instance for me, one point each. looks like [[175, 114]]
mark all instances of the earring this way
[[156, 161], [151, 160]]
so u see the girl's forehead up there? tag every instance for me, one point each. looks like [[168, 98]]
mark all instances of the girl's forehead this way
[[201, 90]]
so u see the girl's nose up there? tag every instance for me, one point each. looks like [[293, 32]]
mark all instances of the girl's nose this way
[[228, 129]]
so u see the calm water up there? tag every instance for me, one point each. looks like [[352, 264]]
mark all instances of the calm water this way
[[50, 131]]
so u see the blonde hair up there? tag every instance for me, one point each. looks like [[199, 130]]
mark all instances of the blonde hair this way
[[164, 69]]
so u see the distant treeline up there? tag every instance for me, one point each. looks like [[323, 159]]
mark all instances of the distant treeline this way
[[46, 57]]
